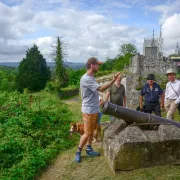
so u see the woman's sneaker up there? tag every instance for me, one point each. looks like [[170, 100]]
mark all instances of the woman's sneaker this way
[[78, 157]]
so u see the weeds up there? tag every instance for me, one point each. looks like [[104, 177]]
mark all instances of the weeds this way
[[32, 130]]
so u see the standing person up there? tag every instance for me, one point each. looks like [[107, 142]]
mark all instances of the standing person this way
[[116, 94], [151, 92], [172, 94], [90, 105]]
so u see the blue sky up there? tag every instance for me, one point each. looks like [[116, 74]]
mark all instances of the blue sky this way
[[88, 28]]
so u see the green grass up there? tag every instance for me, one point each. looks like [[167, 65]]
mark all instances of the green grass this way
[[105, 118], [98, 168], [176, 116], [74, 105]]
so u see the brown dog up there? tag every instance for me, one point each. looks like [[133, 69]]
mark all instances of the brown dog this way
[[79, 128]]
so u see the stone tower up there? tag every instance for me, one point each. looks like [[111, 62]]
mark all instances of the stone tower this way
[[150, 47], [177, 50]]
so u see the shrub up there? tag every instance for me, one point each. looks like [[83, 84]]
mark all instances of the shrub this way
[[75, 76], [32, 130], [8, 78]]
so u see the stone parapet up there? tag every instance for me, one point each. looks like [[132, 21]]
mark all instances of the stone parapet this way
[[131, 147]]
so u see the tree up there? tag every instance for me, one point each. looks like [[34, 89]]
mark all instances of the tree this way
[[108, 64], [128, 49], [33, 72], [122, 61], [60, 70]]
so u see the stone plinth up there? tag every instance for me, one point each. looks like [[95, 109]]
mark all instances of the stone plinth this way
[[130, 147]]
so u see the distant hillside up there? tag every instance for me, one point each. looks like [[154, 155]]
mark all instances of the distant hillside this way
[[72, 65]]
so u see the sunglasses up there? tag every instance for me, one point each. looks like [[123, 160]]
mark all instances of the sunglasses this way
[[171, 74], [151, 79]]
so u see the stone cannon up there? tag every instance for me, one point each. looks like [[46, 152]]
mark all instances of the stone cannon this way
[[141, 140]]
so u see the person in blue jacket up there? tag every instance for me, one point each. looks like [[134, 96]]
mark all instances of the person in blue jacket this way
[[152, 92]]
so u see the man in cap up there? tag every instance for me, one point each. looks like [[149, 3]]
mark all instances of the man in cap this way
[[90, 105], [151, 92], [172, 94]]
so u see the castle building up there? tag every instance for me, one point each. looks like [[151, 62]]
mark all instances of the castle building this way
[[149, 50], [153, 47]]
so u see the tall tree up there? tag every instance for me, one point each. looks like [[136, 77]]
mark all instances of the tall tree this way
[[33, 72], [128, 49], [60, 70]]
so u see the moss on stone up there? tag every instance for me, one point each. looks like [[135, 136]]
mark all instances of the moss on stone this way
[[131, 157]]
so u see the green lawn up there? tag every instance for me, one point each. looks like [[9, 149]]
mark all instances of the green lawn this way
[[98, 168]]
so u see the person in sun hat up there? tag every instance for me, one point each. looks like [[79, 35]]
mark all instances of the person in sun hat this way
[[151, 92], [90, 105], [172, 94]]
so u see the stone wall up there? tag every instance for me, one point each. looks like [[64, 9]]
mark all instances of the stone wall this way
[[144, 65], [133, 147], [133, 83]]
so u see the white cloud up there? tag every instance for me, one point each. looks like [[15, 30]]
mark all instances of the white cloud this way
[[44, 40], [9, 49], [169, 19], [15, 50], [15, 22], [171, 27], [86, 33], [166, 9], [91, 50], [171, 32]]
